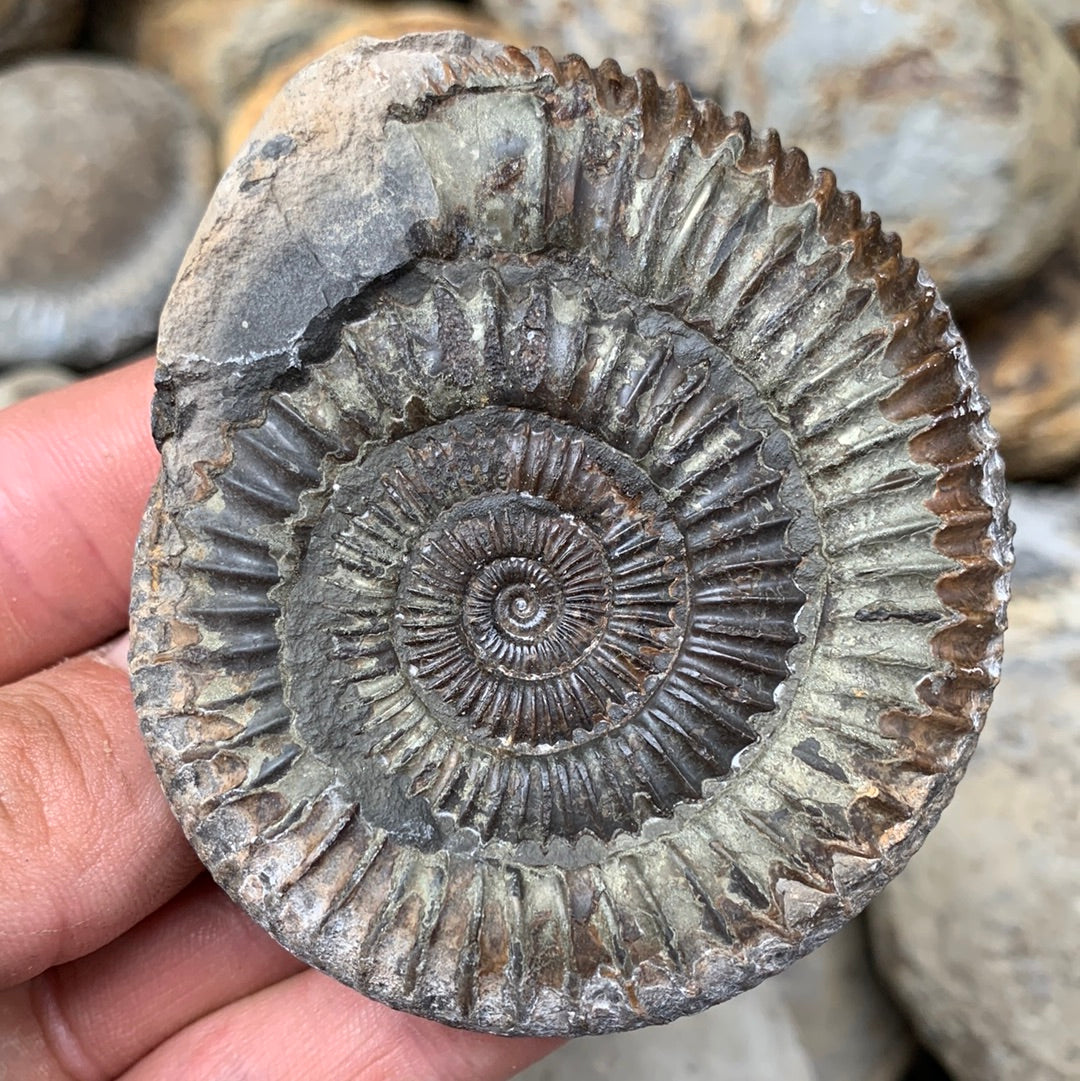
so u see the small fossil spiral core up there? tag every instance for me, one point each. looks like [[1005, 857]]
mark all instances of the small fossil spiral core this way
[[577, 573]]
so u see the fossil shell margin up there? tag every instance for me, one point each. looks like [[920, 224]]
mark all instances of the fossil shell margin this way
[[313, 246]]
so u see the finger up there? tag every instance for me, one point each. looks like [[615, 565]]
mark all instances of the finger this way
[[76, 467], [311, 1026], [87, 842], [93, 1018]]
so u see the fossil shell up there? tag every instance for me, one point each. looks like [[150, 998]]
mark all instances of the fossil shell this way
[[576, 576], [232, 58], [380, 20]]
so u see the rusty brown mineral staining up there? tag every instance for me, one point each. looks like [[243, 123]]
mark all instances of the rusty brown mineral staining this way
[[576, 578], [957, 121]]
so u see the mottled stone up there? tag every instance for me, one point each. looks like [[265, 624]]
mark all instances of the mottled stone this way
[[1027, 352], [1064, 15], [678, 39], [956, 122], [104, 174], [34, 25], [577, 573], [20, 383], [848, 1027], [824, 1019], [980, 936]]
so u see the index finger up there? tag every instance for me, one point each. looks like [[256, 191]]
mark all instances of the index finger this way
[[76, 466]]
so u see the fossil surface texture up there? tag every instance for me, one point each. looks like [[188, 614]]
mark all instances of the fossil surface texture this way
[[576, 577], [985, 919]]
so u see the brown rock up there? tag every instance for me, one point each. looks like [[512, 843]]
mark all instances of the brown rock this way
[[104, 173], [980, 936], [1064, 15], [1028, 356], [216, 52], [33, 25]]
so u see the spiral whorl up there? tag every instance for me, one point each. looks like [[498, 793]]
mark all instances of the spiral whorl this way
[[577, 573]]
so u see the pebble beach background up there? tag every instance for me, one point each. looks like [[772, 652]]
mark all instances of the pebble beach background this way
[[959, 123]]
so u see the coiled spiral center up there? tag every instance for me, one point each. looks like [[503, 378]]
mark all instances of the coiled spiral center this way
[[515, 602], [554, 591], [511, 616]]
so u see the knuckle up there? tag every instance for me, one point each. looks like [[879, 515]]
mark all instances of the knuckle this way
[[50, 820]]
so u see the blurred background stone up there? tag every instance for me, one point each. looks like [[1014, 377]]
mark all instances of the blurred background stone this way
[[823, 1019], [956, 122], [216, 50], [751, 1038], [691, 40], [104, 173], [33, 25], [980, 936], [849, 1028], [1028, 356], [233, 57], [364, 20], [1063, 15], [20, 383]]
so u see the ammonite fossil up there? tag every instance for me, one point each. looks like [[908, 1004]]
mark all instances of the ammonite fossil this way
[[576, 576]]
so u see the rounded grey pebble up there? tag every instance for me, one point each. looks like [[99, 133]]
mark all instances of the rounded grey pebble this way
[[104, 174], [33, 25]]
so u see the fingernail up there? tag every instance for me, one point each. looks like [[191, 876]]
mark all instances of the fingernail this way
[[115, 652]]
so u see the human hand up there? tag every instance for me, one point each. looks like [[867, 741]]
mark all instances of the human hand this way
[[118, 958]]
